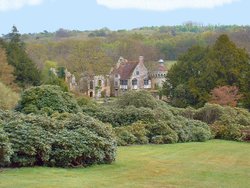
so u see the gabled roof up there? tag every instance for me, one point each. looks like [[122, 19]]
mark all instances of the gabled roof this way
[[125, 69]]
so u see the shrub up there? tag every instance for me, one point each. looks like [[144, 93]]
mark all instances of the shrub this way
[[64, 140], [8, 98], [137, 99], [124, 136], [124, 116], [225, 122], [5, 147], [161, 133], [84, 100], [47, 99], [209, 113], [190, 130], [133, 134], [229, 132]]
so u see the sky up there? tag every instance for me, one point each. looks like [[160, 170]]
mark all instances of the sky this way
[[31, 16]]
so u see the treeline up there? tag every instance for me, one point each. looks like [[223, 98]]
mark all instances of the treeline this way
[[97, 51]]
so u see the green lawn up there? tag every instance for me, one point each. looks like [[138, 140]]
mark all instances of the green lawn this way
[[211, 164]]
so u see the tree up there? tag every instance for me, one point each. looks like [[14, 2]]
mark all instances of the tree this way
[[8, 98], [25, 70], [225, 96], [202, 69], [6, 71]]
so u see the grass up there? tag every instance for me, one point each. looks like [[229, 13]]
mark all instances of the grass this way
[[211, 164]]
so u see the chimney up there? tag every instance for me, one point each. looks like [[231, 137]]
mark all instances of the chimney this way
[[120, 61], [141, 59]]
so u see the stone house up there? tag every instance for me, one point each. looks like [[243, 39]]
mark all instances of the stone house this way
[[125, 75], [129, 75]]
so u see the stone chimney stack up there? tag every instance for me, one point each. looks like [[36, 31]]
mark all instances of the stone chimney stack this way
[[141, 59], [120, 61]]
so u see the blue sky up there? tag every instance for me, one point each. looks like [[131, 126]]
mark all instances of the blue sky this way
[[38, 15]]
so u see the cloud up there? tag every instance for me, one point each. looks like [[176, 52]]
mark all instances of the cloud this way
[[162, 5], [6, 5]]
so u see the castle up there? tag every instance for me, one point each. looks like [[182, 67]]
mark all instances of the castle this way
[[125, 75]]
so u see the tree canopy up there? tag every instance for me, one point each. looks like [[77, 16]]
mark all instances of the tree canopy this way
[[25, 69], [201, 69]]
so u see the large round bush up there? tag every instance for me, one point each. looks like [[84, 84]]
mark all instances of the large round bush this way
[[47, 99], [65, 140], [137, 99]]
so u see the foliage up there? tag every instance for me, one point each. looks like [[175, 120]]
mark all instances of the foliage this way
[[225, 122], [137, 99], [202, 69], [5, 147], [84, 100], [54, 75], [161, 133], [75, 140], [8, 98], [160, 125], [121, 116], [47, 99], [225, 95], [7, 71], [136, 133], [25, 70]]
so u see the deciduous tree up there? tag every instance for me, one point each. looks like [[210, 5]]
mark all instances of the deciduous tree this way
[[225, 96]]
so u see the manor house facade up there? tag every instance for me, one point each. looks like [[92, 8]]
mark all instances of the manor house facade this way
[[124, 76]]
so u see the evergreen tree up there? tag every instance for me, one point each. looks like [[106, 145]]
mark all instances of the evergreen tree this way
[[25, 70], [201, 70]]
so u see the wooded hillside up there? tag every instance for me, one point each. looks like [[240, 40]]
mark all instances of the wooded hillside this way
[[96, 51]]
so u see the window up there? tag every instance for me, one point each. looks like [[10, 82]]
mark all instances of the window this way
[[134, 82], [124, 82], [91, 85], [137, 73], [146, 82], [116, 84], [116, 75], [99, 83]]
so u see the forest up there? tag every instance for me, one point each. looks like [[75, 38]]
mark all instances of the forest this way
[[97, 51]]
